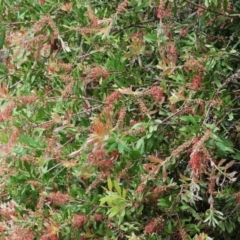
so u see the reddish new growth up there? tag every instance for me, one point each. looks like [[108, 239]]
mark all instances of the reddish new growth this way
[[79, 220], [196, 83], [154, 226], [58, 198]]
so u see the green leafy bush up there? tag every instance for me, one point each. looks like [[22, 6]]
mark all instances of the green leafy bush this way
[[119, 120]]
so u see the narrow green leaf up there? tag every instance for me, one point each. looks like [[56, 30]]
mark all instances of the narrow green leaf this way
[[3, 137], [110, 185], [117, 187], [124, 193], [113, 211], [206, 3], [140, 142], [120, 148], [2, 37]]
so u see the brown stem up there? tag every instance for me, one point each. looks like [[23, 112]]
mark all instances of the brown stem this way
[[213, 11]]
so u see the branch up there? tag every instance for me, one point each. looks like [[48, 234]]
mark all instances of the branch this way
[[213, 11]]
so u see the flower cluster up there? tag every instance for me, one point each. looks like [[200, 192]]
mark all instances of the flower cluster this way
[[96, 156], [84, 30], [7, 210], [196, 82], [183, 234], [196, 161], [98, 217], [172, 53], [192, 64], [27, 99], [137, 37], [43, 21], [199, 155], [58, 198], [142, 106], [176, 152], [237, 197], [79, 220], [100, 178], [157, 94], [200, 10], [100, 159], [51, 233], [162, 12], [96, 73], [124, 172], [122, 6], [157, 191], [135, 131], [3, 227], [113, 97], [140, 188], [92, 17], [154, 226], [68, 89], [17, 233], [121, 116], [7, 147], [6, 113], [51, 146]]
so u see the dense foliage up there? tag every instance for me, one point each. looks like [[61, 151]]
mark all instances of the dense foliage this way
[[119, 120]]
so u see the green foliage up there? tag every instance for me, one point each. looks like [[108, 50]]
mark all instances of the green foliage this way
[[119, 120], [116, 200]]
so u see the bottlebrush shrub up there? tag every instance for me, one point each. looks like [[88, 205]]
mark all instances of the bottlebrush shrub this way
[[119, 120]]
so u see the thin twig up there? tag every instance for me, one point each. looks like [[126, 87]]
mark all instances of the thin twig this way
[[213, 11]]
